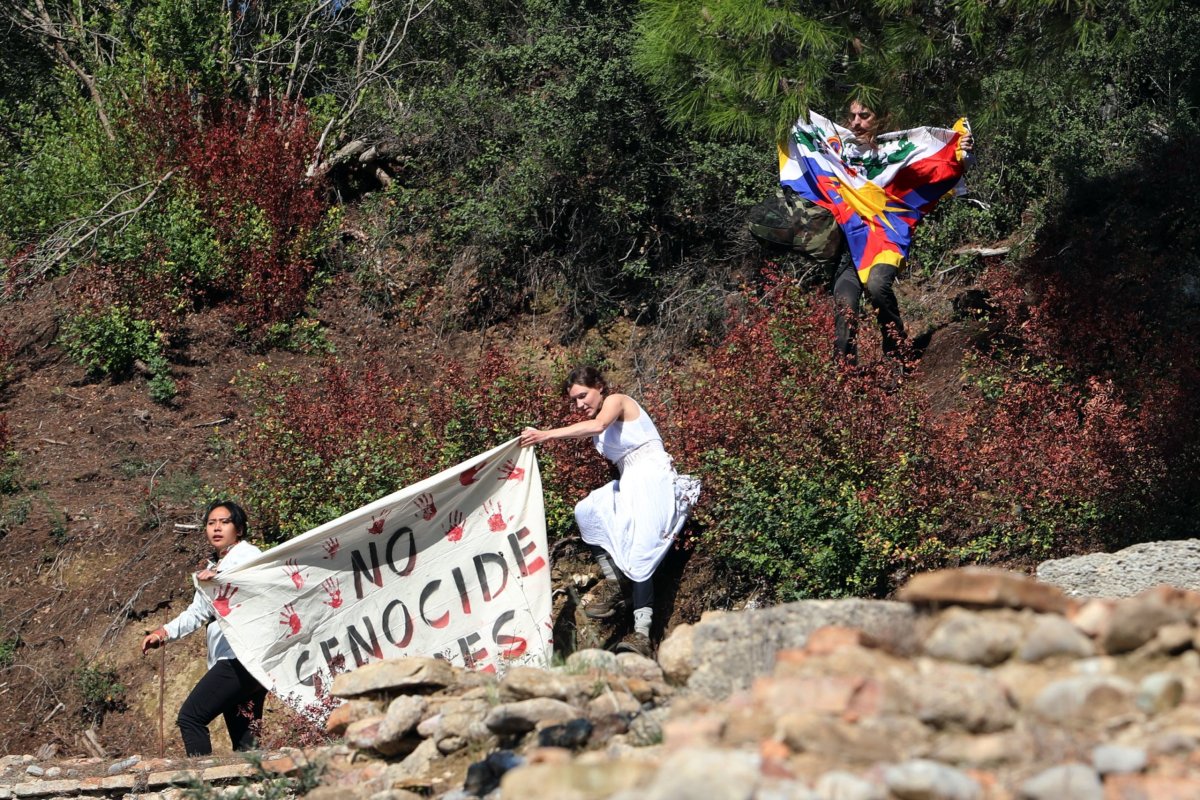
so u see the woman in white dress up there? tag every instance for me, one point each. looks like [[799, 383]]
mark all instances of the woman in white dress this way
[[631, 522]]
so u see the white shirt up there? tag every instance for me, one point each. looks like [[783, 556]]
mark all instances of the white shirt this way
[[201, 610]]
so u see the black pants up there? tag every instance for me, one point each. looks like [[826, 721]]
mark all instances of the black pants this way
[[225, 690], [847, 293], [643, 591]]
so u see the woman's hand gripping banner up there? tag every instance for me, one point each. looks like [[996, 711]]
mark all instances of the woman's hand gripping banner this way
[[454, 567]]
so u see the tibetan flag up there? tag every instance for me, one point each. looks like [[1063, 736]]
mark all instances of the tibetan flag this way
[[877, 194]]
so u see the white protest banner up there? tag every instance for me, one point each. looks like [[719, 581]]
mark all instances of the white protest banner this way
[[454, 567]]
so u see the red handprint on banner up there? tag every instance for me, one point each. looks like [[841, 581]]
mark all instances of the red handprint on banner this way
[[331, 546], [221, 601], [496, 521], [468, 475], [426, 508], [333, 588], [377, 520], [292, 570], [455, 531], [509, 471], [290, 618]]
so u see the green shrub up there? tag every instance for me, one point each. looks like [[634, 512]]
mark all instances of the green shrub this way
[[111, 342], [100, 691]]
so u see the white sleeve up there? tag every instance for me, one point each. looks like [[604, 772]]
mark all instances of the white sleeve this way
[[200, 612]]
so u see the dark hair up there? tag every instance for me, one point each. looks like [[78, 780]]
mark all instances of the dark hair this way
[[587, 376], [236, 514], [883, 115]]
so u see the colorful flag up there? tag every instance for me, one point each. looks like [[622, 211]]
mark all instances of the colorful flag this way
[[454, 567], [877, 194]]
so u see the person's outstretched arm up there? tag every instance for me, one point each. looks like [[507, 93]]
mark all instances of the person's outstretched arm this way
[[610, 411]]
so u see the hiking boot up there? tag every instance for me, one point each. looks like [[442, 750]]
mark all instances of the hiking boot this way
[[606, 601], [635, 643]]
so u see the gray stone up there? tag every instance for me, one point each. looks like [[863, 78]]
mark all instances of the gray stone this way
[[971, 638], [1159, 692], [402, 717], [43, 788], [780, 789], [638, 666], [1052, 635], [838, 785], [124, 764], [708, 773], [35, 771], [591, 659], [921, 779], [1126, 572], [1136, 621], [646, 729], [1066, 782], [1115, 759], [575, 780], [1084, 698], [731, 650], [675, 654], [945, 695], [524, 683], [409, 675], [525, 715]]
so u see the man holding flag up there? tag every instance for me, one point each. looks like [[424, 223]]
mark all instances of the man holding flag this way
[[877, 186]]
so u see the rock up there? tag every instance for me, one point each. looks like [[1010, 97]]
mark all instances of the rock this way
[[646, 729], [1126, 572], [402, 717], [484, 776], [415, 765], [983, 587], [881, 739], [1053, 635], [350, 711], [400, 675], [921, 779], [1084, 698], [983, 750], [675, 654], [1066, 782], [124, 764], [1159, 692], [711, 774], [945, 695], [611, 702], [638, 666], [838, 785], [1151, 787], [732, 649], [592, 659], [373, 733], [973, 638], [1115, 759], [524, 683], [525, 715], [1135, 621], [35, 771], [572, 735], [575, 781]]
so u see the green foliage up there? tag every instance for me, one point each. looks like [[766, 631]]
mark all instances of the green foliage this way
[[262, 784], [112, 341], [8, 651], [748, 68], [101, 691]]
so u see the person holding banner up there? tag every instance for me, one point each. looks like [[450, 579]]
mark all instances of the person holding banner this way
[[227, 689], [631, 522]]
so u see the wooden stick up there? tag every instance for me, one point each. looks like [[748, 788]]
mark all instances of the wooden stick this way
[[162, 691]]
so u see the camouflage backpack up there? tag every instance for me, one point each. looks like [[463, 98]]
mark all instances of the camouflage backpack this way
[[789, 220]]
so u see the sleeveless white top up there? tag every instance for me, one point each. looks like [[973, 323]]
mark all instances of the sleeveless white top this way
[[621, 439]]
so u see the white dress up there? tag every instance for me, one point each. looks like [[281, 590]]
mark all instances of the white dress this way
[[636, 517]]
